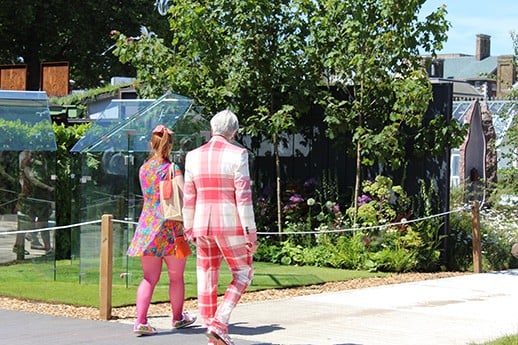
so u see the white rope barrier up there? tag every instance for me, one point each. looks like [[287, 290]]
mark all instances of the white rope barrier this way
[[9, 202], [124, 222], [316, 231], [49, 228], [376, 227]]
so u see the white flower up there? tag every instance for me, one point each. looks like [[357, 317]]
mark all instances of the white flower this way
[[311, 202]]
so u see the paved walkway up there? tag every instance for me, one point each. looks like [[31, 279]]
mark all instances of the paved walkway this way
[[449, 311]]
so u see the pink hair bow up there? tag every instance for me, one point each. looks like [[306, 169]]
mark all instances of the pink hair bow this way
[[161, 129]]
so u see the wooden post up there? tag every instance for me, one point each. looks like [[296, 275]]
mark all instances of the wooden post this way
[[475, 228], [106, 268]]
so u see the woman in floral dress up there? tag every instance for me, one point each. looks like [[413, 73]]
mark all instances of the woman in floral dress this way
[[154, 238]]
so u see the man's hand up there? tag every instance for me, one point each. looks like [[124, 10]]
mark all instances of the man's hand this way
[[187, 233], [252, 246], [251, 240]]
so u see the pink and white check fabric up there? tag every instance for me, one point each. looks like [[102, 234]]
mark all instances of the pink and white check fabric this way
[[218, 213], [209, 254], [217, 194]]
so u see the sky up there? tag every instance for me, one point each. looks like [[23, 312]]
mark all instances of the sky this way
[[496, 18]]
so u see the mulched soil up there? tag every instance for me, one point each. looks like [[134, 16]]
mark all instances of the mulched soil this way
[[164, 308]]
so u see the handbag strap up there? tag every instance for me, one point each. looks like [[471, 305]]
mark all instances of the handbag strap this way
[[172, 168], [170, 172]]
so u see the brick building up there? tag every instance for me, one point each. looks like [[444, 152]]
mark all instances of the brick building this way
[[478, 76]]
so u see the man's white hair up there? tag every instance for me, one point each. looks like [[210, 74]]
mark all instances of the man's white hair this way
[[224, 123]]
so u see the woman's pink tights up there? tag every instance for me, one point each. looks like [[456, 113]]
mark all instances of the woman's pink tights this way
[[152, 268]]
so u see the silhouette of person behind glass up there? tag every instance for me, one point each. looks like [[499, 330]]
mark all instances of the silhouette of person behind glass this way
[[34, 203], [7, 185]]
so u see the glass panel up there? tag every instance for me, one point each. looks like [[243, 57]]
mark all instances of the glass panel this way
[[127, 124], [25, 122], [115, 113], [91, 248], [27, 180], [503, 114], [111, 153], [460, 109]]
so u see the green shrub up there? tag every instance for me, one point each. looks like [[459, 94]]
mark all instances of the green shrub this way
[[498, 233], [345, 251], [393, 260], [330, 240]]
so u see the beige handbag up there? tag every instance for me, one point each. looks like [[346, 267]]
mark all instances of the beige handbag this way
[[171, 198]]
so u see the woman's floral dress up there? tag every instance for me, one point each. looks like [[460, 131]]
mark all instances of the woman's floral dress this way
[[154, 236]]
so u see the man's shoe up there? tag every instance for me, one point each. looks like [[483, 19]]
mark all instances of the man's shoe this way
[[219, 336], [186, 321], [37, 247], [144, 329], [35, 242], [25, 252]]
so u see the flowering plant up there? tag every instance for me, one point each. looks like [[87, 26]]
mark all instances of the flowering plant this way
[[312, 205], [382, 203]]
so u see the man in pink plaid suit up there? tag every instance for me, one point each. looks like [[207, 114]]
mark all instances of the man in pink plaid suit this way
[[218, 215]]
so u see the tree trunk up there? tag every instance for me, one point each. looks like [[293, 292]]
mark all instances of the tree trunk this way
[[358, 156], [357, 180], [278, 178]]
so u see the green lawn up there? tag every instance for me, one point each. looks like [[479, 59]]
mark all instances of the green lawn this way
[[506, 340], [36, 281]]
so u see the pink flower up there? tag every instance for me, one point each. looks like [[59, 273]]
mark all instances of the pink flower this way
[[296, 198], [362, 200]]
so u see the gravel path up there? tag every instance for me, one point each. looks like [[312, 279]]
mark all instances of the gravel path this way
[[164, 308]]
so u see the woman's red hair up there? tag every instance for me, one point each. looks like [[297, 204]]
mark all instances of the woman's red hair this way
[[161, 142]]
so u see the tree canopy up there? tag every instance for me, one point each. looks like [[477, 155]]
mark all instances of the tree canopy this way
[[249, 56], [271, 61], [369, 53], [32, 32]]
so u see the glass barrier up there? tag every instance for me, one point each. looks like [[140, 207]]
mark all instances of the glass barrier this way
[[502, 113], [110, 155], [27, 180]]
